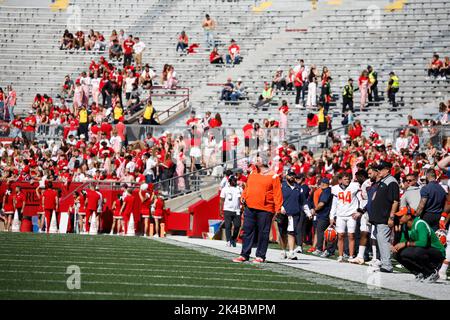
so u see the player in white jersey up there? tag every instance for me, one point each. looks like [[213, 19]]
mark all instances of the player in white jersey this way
[[345, 204], [365, 227]]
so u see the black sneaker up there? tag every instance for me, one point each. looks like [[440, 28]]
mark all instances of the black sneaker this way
[[386, 270], [420, 277]]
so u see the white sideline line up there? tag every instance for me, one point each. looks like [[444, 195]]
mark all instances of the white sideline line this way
[[176, 257], [179, 285], [361, 274], [96, 293], [246, 272], [121, 264], [112, 275]]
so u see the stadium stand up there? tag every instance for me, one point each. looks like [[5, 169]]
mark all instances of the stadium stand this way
[[120, 147]]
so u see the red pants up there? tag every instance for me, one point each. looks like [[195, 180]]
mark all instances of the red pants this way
[[48, 218], [88, 217], [126, 219]]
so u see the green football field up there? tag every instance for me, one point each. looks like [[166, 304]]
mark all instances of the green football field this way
[[40, 266]]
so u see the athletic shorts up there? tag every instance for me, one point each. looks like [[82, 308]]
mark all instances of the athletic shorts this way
[[287, 224], [343, 222], [365, 225], [8, 213]]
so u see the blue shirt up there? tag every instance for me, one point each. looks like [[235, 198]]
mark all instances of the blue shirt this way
[[436, 197], [327, 198], [293, 199]]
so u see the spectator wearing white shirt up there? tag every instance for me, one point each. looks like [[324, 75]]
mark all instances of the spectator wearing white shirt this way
[[401, 142], [147, 76], [150, 165], [95, 88], [139, 48], [128, 84], [230, 209]]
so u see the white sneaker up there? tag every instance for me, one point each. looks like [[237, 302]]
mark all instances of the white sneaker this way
[[356, 260], [374, 263], [340, 259], [144, 236], [292, 256], [283, 254], [156, 236], [111, 233], [298, 250], [228, 244]]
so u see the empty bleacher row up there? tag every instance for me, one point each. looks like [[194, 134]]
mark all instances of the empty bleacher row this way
[[31, 61], [346, 43]]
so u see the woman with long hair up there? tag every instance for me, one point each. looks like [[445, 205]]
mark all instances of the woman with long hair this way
[[181, 158], [311, 101], [363, 83]]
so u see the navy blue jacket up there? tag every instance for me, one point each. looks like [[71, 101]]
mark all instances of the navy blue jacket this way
[[293, 199]]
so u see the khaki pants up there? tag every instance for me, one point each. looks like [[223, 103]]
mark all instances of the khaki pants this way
[[138, 59]]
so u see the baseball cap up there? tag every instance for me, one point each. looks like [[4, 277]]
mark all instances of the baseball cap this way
[[384, 165], [325, 180], [290, 173], [300, 176], [405, 210], [121, 118]]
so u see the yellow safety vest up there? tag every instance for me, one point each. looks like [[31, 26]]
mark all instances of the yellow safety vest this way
[[372, 77], [395, 82], [148, 112], [83, 116], [321, 116], [118, 112]]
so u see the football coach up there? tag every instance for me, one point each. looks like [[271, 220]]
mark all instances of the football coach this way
[[262, 198]]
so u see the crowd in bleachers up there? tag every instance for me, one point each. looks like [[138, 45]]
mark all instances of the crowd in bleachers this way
[[438, 69]]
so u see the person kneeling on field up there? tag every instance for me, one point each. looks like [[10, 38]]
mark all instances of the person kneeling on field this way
[[419, 249], [294, 203]]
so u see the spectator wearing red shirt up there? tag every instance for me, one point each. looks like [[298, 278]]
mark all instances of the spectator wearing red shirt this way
[[128, 51], [50, 202], [215, 57], [16, 126], [193, 120], [183, 42], [248, 130], [434, 66], [234, 53], [216, 121], [355, 130], [106, 128], [29, 128], [413, 122]]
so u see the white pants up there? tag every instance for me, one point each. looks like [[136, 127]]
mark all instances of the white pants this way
[[343, 222], [365, 225], [312, 93]]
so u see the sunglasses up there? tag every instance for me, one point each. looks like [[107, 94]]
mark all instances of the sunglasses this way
[[409, 180]]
